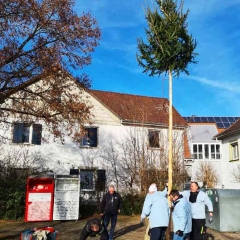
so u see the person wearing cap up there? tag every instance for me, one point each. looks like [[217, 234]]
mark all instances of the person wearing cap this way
[[181, 215], [198, 200], [93, 228], [111, 205], [156, 208]]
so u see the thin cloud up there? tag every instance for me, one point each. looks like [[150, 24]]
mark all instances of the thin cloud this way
[[229, 86]]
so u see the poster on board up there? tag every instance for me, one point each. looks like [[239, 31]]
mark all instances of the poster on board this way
[[66, 199]]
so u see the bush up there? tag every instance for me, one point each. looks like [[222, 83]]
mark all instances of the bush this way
[[132, 204], [13, 179]]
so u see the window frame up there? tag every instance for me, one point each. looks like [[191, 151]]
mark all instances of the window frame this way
[[88, 170], [34, 133], [86, 138], [206, 151], [233, 145], [156, 134]]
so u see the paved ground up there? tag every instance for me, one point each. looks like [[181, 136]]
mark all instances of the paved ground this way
[[128, 228]]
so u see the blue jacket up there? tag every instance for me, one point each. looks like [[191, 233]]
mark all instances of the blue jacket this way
[[198, 207], [156, 208], [182, 215]]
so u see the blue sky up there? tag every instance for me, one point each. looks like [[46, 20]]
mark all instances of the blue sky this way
[[213, 86]]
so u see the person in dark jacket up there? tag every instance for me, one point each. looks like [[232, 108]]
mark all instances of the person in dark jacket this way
[[94, 227], [110, 207]]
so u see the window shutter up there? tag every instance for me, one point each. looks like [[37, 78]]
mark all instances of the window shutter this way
[[101, 180], [37, 134], [17, 132]]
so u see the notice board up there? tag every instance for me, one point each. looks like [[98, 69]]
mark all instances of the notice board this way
[[39, 207], [66, 199]]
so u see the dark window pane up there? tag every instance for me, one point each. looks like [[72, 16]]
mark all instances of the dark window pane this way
[[17, 132], [86, 178], [101, 180], [153, 138], [212, 148], [37, 134], [206, 149], [200, 148], [93, 137], [217, 148], [25, 133], [90, 138], [194, 148]]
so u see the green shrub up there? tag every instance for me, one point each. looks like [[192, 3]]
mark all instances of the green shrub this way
[[132, 204]]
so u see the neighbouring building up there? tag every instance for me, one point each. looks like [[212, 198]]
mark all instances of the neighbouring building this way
[[207, 151], [230, 139]]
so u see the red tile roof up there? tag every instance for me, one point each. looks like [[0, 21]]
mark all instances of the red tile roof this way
[[135, 108], [234, 128]]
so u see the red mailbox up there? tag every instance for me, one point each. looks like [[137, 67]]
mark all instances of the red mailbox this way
[[39, 199]]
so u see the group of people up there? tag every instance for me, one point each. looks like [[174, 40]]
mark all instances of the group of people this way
[[188, 214]]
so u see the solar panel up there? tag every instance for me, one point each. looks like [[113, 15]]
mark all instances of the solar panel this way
[[217, 119], [220, 125], [204, 119], [197, 119], [227, 124], [224, 119], [211, 119], [221, 122]]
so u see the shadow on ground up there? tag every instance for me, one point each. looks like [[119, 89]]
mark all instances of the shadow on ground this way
[[126, 230]]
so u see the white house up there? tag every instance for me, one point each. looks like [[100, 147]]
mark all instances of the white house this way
[[119, 125], [230, 139], [206, 150]]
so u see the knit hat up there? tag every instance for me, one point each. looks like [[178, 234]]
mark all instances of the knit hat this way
[[152, 188]]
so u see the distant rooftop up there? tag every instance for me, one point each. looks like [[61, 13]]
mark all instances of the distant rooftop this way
[[221, 122]]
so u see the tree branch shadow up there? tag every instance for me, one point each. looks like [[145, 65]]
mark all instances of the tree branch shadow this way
[[126, 230]]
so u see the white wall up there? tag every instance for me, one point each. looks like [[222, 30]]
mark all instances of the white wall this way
[[228, 167]]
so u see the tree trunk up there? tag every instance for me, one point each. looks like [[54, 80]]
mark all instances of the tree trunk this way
[[170, 134]]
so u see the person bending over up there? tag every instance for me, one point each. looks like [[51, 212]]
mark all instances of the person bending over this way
[[93, 228]]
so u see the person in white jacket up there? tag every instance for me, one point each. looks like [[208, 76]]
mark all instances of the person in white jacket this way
[[181, 215], [198, 200]]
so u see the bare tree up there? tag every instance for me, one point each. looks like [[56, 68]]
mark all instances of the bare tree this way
[[207, 174], [236, 174], [41, 43], [135, 165]]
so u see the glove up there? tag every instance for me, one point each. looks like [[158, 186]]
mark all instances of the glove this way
[[210, 220], [179, 233]]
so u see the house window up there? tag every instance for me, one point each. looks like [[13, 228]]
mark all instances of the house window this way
[[87, 179], [206, 151], [90, 138], [27, 133], [234, 155], [153, 138]]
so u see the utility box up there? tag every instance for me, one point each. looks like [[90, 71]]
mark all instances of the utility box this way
[[226, 205], [66, 197], [39, 199]]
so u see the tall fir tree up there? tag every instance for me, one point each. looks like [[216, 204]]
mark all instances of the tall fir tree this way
[[169, 50]]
